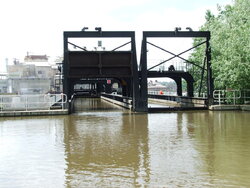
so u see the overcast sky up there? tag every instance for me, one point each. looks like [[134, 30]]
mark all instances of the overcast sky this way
[[37, 26]]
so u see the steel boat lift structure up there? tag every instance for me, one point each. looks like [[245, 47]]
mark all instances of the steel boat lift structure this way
[[79, 66]]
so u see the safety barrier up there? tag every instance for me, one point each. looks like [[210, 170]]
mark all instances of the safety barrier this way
[[185, 101], [32, 102], [246, 96], [227, 96], [118, 99]]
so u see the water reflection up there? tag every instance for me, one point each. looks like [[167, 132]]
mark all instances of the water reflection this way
[[222, 139], [104, 148], [95, 104], [172, 155], [32, 152], [118, 148]]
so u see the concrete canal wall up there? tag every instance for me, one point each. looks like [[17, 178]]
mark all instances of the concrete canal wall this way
[[229, 107]]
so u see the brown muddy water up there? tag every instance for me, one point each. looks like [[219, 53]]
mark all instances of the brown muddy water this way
[[104, 146]]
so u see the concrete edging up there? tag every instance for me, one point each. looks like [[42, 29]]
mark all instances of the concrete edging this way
[[229, 107], [33, 113], [125, 105]]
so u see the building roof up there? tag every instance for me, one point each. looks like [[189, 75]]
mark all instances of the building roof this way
[[40, 58], [156, 85]]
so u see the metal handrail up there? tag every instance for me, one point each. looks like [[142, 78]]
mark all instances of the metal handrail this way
[[222, 95], [246, 95], [31, 102]]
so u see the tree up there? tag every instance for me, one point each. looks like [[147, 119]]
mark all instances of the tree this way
[[230, 43]]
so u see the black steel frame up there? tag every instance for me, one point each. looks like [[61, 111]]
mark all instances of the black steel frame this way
[[173, 34], [102, 34]]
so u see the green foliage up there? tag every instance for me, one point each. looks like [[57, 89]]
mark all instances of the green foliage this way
[[230, 43]]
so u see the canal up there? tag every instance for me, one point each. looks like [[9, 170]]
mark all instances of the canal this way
[[101, 145]]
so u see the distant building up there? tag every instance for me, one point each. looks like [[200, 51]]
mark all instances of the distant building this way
[[29, 86], [156, 88], [35, 76], [3, 83]]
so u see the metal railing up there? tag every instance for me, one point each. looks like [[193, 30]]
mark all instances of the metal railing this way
[[201, 102], [123, 99], [246, 96], [32, 102], [227, 96], [160, 92]]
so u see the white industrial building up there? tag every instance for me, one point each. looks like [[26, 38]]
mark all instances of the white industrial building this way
[[33, 76]]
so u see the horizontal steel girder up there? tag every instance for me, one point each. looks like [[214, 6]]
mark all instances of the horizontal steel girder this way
[[89, 34], [189, 34], [170, 74], [99, 64]]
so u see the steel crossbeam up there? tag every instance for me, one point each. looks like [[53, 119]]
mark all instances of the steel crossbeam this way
[[174, 55]]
